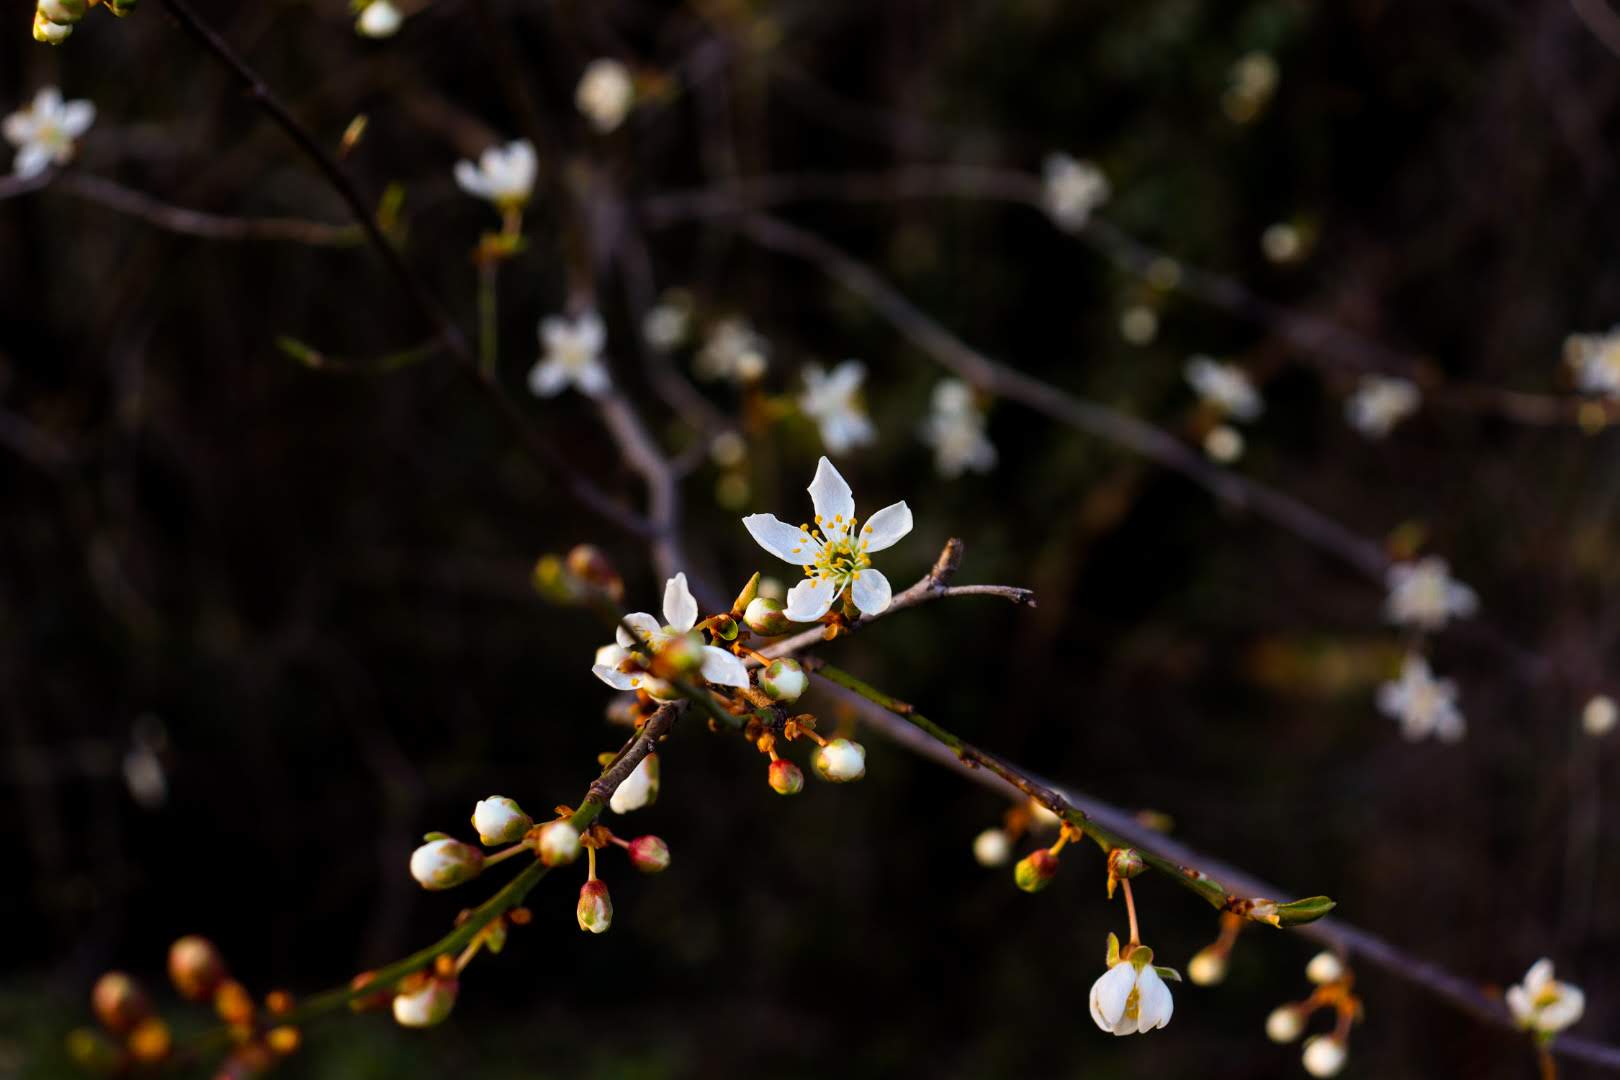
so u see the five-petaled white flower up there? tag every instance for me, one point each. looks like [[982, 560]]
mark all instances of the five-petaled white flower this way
[[1226, 386], [954, 427], [504, 175], [1595, 359], [573, 354], [605, 93], [732, 350], [834, 555], [620, 665], [1072, 190], [45, 131], [379, 19], [1379, 403], [832, 400], [1542, 1004], [1425, 595], [1130, 1000], [1423, 704]]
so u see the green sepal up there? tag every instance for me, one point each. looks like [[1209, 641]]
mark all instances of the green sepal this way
[[1113, 949], [1169, 974], [428, 838]]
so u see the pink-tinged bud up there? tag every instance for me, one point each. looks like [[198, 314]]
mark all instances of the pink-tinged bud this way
[[500, 820], [195, 967], [840, 761], [638, 789], [558, 844], [427, 1006], [1036, 870], [444, 864], [587, 563], [119, 1002], [765, 617], [786, 778], [783, 680], [595, 909], [649, 854]]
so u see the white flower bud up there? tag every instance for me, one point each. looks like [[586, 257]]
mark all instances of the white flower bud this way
[[840, 761], [444, 864], [1324, 968], [639, 789], [595, 908], [992, 848], [605, 94], [1599, 716], [62, 11], [764, 616], [558, 844], [1324, 1055], [1285, 1024], [425, 1007], [500, 820], [783, 680], [49, 32], [1223, 444], [1207, 967], [380, 19]]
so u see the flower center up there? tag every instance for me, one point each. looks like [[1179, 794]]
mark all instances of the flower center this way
[[842, 555]]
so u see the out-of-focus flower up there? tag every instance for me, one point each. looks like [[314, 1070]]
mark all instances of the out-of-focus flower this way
[[839, 761], [1285, 1024], [992, 848], [1543, 1005], [379, 19], [649, 854], [572, 354], [1223, 443], [1423, 704], [1325, 967], [1253, 82], [46, 132], [639, 789], [668, 323], [1072, 190], [1595, 359], [195, 967], [955, 429], [732, 350], [1282, 242], [605, 94], [1380, 402], [1599, 716], [833, 555], [444, 864], [681, 611], [1131, 998], [1324, 1055], [1139, 324], [1225, 386], [833, 400], [1208, 966], [119, 1002], [427, 1005], [1425, 595], [504, 175]]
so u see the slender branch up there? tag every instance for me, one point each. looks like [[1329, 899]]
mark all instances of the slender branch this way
[[177, 219]]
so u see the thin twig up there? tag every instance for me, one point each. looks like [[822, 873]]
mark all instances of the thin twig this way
[[177, 219]]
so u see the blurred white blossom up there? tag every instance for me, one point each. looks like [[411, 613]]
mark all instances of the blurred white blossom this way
[[1225, 386], [1425, 595], [1542, 1004], [1599, 716], [992, 848], [1595, 359], [732, 350], [1424, 705], [1253, 81], [379, 19], [955, 428], [605, 94], [571, 354], [1282, 242], [638, 789], [1139, 325], [504, 175], [45, 132], [1380, 402], [1224, 444], [1324, 1055], [833, 400], [668, 323], [1072, 190]]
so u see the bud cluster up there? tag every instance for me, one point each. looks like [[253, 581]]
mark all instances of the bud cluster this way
[[1324, 1054]]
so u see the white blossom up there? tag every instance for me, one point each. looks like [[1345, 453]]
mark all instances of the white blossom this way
[[1380, 402], [1542, 1004], [955, 427], [1072, 190], [1599, 716], [504, 175], [1128, 1001], [732, 350], [605, 94], [680, 615], [1595, 359], [833, 554], [1423, 704], [638, 789], [379, 19], [1425, 595], [572, 354], [1226, 386], [833, 401], [44, 133]]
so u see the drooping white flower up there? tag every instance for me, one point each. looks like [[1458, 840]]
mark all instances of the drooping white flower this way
[[1600, 715], [605, 94], [1425, 595], [832, 399], [572, 354], [1225, 386], [1072, 190], [833, 554], [379, 19], [681, 615], [1324, 1055], [1595, 359], [1423, 704], [1542, 1004], [732, 350], [955, 427], [1379, 403], [639, 789], [45, 132], [504, 175], [1128, 1000]]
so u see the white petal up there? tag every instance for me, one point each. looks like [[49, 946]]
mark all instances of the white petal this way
[[830, 495], [1153, 1002], [722, 668], [1539, 975], [77, 116], [615, 678], [847, 377], [680, 610], [644, 625], [781, 539], [592, 379], [870, 591], [885, 528], [591, 332], [810, 599], [470, 180], [1518, 1003], [547, 378], [1565, 1011], [32, 160], [1111, 991], [48, 103]]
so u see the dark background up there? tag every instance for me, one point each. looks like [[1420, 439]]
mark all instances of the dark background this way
[[316, 585]]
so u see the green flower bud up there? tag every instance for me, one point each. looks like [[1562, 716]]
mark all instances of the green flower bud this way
[[786, 778], [63, 12], [427, 1006], [1036, 870]]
